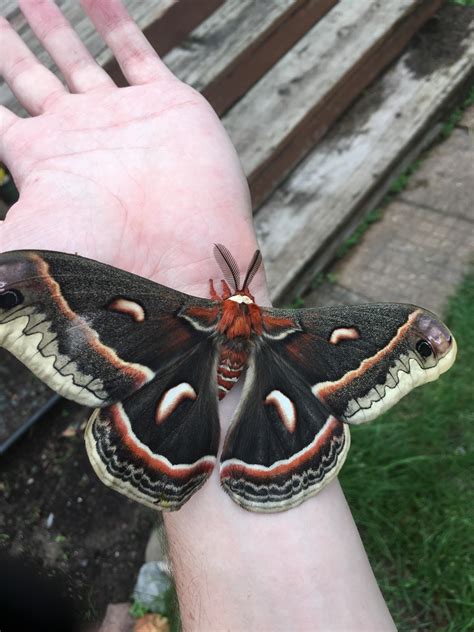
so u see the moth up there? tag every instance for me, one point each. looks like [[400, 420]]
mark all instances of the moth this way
[[153, 362]]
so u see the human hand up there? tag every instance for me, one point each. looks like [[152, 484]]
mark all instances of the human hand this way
[[144, 177]]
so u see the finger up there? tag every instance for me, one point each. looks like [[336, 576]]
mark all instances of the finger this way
[[137, 58], [33, 85], [63, 44], [7, 119]]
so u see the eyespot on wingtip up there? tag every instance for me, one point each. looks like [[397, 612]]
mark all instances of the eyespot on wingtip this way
[[434, 334]]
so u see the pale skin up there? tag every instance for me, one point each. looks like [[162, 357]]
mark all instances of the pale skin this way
[[146, 179]]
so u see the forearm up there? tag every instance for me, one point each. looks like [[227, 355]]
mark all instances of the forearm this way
[[303, 569]]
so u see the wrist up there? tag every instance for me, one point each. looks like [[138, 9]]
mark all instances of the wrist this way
[[312, 554]]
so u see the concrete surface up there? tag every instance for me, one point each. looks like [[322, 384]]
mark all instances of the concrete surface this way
[[445, 181], [423, 245]]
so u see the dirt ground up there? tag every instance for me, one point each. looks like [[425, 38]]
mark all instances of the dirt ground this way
[[22, 396], [56, 515]]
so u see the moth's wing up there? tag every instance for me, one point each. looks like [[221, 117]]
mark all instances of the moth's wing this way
[[360, 360], [159, 445], [92, 332], [102, 336], [283, 445], [310, 371]]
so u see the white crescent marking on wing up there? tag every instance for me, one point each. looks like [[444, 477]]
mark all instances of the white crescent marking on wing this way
[[285, 408], [131, 308], [343, 333], [172, 398]]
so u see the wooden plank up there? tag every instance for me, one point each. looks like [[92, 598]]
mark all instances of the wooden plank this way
[[160, 20], [294, 104], [236, 45], [308, 215]]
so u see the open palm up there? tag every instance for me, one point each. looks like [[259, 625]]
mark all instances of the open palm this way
[[143, 177]]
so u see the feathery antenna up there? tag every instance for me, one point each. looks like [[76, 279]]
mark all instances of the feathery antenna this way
[[253, 268], [228, 265]]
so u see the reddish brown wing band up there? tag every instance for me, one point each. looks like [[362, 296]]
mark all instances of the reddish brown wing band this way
[[288, 482], [129, 466]]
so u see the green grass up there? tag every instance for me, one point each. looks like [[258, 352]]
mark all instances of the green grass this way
[[359, 232], [401, 182], [463, 3], [409, 483], [138, 609]]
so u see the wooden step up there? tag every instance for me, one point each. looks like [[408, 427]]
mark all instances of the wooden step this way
[[239, 43], [283, 116], [301, 226]]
